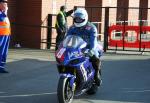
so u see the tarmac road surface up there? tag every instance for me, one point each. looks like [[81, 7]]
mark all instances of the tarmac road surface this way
[[33, 78]]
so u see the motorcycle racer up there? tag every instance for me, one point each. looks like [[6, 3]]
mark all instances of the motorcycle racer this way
[[88, 32]]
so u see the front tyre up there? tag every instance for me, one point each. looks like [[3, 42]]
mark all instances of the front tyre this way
[[64, 91]]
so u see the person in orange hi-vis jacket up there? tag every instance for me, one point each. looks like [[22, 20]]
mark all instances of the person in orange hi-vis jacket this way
[[4, 35]]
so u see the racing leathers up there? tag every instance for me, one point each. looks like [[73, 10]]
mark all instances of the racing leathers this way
[[89, 34]]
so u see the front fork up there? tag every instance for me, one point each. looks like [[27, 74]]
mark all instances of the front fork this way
[[71, 80]]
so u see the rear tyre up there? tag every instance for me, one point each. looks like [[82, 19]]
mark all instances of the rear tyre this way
[[64, 91]]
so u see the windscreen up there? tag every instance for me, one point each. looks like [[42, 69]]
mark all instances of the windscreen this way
[[72, 41]]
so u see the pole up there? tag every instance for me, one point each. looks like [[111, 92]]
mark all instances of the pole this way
[[106, 26], [65, 3]]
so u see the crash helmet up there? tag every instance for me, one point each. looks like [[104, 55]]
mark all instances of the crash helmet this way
[[80, 17]]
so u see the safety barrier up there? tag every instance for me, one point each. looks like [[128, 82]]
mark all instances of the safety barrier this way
[[129, 36]]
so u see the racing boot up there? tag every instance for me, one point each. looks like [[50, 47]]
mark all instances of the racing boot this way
[[97, 77], [96, 65]]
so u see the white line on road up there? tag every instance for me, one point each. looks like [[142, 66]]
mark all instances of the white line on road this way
[[27, 95], [2, 92], [137, 91]]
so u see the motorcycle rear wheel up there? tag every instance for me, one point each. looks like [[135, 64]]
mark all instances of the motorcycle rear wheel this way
[[64, 91]]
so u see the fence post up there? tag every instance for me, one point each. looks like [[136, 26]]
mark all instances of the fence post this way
[[49, 31], [106, 26], [141, 24]]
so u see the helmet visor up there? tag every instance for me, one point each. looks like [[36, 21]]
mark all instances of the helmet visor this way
[[78, 20]]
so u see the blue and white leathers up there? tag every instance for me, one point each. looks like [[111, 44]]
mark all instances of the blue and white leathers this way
[[89, 34]]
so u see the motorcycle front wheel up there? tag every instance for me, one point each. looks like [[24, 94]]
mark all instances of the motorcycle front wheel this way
[[64, 91]]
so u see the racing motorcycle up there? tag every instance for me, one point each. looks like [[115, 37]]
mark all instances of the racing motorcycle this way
[[75, 69]]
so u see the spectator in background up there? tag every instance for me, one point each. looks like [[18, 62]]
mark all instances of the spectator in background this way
[[4, 34], [61, 24]]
